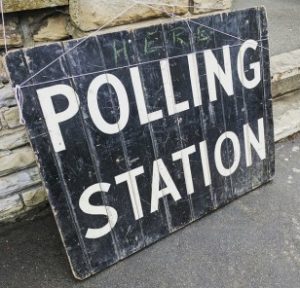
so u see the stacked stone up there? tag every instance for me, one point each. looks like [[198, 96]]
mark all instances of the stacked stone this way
[[32, 22]]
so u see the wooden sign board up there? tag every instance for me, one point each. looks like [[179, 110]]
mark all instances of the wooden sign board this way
[[139, 133]]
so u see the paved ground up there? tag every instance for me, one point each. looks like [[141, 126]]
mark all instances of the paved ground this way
[[253, 242], [284, 22]]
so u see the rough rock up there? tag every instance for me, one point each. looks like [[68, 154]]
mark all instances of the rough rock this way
[[3, 74], [22, 5], [16, 160], [286, 110], [34, 196], [285, 65], [13, 138], [89, 15], [7, 96], [285, 70], [205, 6], [9, 206], [19, 181], [13, 36], [11, 117], [52, 29]]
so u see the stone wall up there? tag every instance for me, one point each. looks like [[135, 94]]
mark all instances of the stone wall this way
[[33, 22]]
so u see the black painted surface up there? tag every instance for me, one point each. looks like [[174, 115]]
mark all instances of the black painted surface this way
[[92, 156]]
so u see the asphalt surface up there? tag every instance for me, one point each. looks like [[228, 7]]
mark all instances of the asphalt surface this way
[[284, 22], [252, 242]]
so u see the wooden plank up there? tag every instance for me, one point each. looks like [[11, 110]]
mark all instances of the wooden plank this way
[[136, 153], [107, 149], [44, 152]]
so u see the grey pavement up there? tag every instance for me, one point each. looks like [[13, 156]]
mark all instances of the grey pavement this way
[[252, 242], [284, 22]]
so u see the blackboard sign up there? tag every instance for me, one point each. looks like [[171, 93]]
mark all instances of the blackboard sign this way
[[139, 133]]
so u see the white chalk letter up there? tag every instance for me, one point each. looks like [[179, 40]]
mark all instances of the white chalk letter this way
[[213, 69], [218, 153], [172, 106], [250, 140], [195, 79], [159, 169], [130, 178], [249, 84], [88, 208], [140, 99], [205, 163], [95, 113], [52, 118], [183, 155]]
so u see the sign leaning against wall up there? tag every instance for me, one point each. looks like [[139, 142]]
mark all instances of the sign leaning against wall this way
[[139, 133]]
